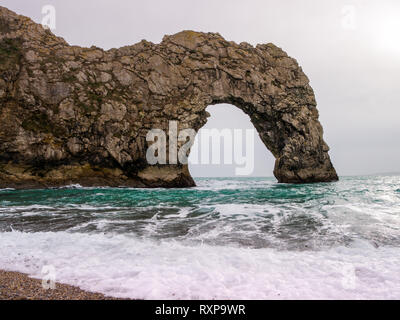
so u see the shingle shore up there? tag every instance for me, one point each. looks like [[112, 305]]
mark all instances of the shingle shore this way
[[18, 286]]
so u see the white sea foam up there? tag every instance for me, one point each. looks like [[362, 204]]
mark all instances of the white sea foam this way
[[71, 186], [231, 184], [226, 244], [125, 266], [27, 210]]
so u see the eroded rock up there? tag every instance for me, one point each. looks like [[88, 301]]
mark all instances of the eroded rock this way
[[81, 115]]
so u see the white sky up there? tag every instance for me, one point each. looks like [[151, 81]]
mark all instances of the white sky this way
[[354, 68]]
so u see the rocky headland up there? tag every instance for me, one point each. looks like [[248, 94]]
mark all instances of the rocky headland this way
[[73, 115]]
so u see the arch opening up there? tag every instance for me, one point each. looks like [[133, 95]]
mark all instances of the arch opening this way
[[228, 145]]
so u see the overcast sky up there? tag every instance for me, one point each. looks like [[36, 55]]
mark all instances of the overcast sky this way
[[349, 49]]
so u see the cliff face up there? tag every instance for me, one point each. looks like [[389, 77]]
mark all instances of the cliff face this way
[[81, 115]]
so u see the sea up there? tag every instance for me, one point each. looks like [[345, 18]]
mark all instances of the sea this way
[[227, 238]]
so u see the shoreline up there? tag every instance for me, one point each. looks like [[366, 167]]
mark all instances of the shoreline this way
[[19, 286]]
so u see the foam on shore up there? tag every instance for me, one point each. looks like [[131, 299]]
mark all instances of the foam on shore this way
[[124, 266]]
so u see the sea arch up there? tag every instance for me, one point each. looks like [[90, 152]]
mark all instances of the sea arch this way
[[81, 115]]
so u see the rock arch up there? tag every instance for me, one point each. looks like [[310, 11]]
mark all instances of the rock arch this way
[[81, 115]]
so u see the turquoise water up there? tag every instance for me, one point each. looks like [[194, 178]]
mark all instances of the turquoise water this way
[[225, 239], [251, 212]]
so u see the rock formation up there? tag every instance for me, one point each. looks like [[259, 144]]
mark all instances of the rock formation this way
[[81, 115]]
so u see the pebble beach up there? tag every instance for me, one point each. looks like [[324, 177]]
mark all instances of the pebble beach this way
[[19, 286]]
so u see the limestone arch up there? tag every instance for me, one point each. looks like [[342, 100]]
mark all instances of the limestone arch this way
[[271, 88], [81, 115], [301, 155]]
